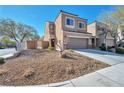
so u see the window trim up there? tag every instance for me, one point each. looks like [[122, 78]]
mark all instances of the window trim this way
[[70, 26]]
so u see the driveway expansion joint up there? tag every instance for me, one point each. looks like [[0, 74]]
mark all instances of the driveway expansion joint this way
[[109, 79]]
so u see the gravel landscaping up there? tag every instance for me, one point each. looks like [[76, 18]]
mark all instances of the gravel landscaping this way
[[37, 67]]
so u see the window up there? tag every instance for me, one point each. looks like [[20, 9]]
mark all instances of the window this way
[[81, 25], [51, 27], [69, 22]]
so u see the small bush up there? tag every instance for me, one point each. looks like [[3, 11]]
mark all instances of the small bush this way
[[103, 47], [112, 46], [63, 54], [71, 50], [120, 50], [109, 48], [70, 70], [2, 47], [51, 48], [3, 71], [28, 72], [2, 61]]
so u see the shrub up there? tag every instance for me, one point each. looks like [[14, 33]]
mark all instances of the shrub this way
[[2, 47], [63, 54], [28, 72], [2, 61], [71, 50], [51, 48], [120, 50], [109, 48], [70, 70], [103, 47], [112, 46], [3, 71]]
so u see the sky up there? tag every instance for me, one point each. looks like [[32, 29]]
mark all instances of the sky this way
[[36, 16]]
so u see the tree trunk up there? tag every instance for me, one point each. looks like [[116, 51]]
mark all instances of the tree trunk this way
[[106, 42], [105, 37], [115, 43]]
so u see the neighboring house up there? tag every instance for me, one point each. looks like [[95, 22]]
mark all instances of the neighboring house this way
[[97, 28], [68, 31], [121, 35], [121, 31]]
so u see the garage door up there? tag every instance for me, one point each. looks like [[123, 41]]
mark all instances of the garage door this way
[[77, 43]]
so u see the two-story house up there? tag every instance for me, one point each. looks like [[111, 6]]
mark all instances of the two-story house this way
[[68, 31], [98, 31]]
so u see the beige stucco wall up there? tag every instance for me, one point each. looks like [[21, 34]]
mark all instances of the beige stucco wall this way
[[79, 35], [91, 28], [76, 21], [84, 22], [47, 34]]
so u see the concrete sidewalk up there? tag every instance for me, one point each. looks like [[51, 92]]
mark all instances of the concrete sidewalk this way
[[108, 77]]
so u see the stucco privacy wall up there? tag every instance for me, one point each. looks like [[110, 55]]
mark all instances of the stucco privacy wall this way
[[21, 46]]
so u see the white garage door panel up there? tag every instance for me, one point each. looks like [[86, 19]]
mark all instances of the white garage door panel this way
[[77, 43]]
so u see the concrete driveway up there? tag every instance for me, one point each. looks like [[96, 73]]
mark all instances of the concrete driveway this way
[[106, 57]]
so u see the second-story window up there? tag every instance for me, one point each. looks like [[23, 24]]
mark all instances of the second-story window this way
[[69, 21], [81, 25]]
